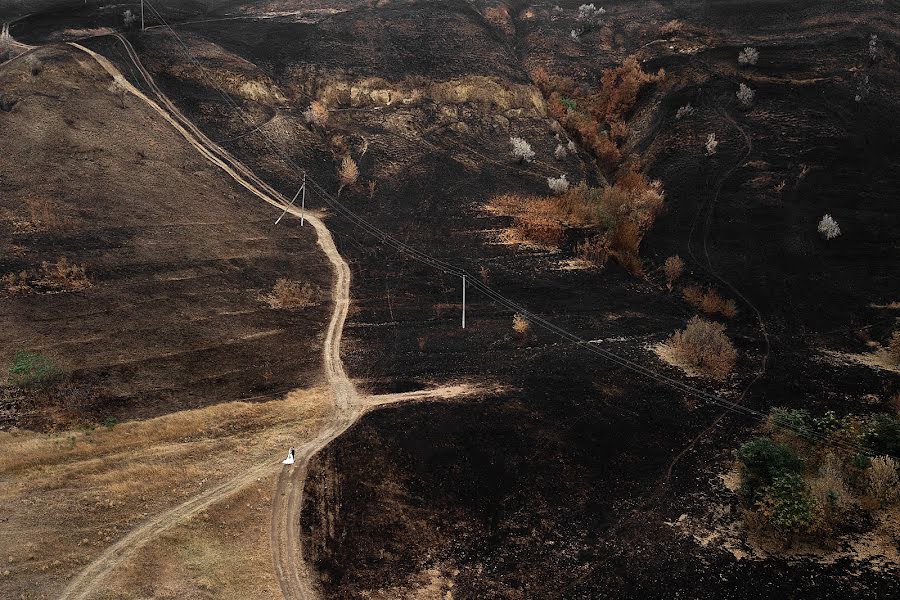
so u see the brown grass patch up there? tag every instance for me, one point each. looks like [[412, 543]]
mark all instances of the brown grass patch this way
[[292, 294], [96, 485], [59, 276]]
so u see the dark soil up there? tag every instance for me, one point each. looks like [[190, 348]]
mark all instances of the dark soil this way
[[558, 487]]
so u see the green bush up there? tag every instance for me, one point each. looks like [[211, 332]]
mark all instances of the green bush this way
[[796, 420], [762, 461], [883, 435], [828, 422], [792, 505], [32, 370]]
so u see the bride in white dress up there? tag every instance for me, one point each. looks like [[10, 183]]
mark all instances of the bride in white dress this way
[[290, 457]]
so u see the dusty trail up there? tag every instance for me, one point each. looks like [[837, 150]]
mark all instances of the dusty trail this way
[[344, 391], [349, 406]]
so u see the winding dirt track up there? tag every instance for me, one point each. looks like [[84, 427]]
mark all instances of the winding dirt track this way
[[349, 406]]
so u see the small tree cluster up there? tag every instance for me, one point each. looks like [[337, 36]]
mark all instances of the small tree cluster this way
[[703, 346], [597, 119], [521, 150], [745, 95], [829, 228], [129, 18], [748, 56]]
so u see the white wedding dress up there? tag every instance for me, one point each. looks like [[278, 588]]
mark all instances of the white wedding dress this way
[[290, 458]]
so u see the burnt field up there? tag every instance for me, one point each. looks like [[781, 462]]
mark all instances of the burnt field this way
[[568, 483]]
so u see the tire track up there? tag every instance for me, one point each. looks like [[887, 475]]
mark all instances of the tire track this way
[[286, 551]]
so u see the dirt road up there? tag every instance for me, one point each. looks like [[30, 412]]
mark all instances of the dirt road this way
[[349, 406]]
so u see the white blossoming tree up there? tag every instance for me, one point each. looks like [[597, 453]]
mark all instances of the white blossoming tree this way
[[748, 56], [521, 149], [829, 228], [745, 95], [711, 144], [558, 185]]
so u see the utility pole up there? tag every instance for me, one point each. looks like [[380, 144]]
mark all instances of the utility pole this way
[[142, 15], [464, 303], [302, 190], [303, 201]]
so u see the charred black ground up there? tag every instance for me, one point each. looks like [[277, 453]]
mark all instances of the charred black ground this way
[[558, 487]]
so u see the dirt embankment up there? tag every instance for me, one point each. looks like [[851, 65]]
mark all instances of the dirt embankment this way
[[178, 261]]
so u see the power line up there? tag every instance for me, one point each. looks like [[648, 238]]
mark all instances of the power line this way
[[492, 294]]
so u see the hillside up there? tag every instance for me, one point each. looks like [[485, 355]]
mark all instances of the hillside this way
[[594, 459]]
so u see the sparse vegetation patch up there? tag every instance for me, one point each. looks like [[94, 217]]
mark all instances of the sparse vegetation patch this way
[[616, 217], [806, 480]]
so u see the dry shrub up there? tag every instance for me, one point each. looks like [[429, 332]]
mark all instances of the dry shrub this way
[[348, 172], [625, 243], [16, 282], [619, 90], [594, 249], [709, 301], [520, 324], [292, 294], [693, 294], [882, 479], [829, 487], [499, 17], [372, 186], [539, 228], [673, 268], [43, 214], [703, 346], [316, 114], [671, 27], [63, 275]]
